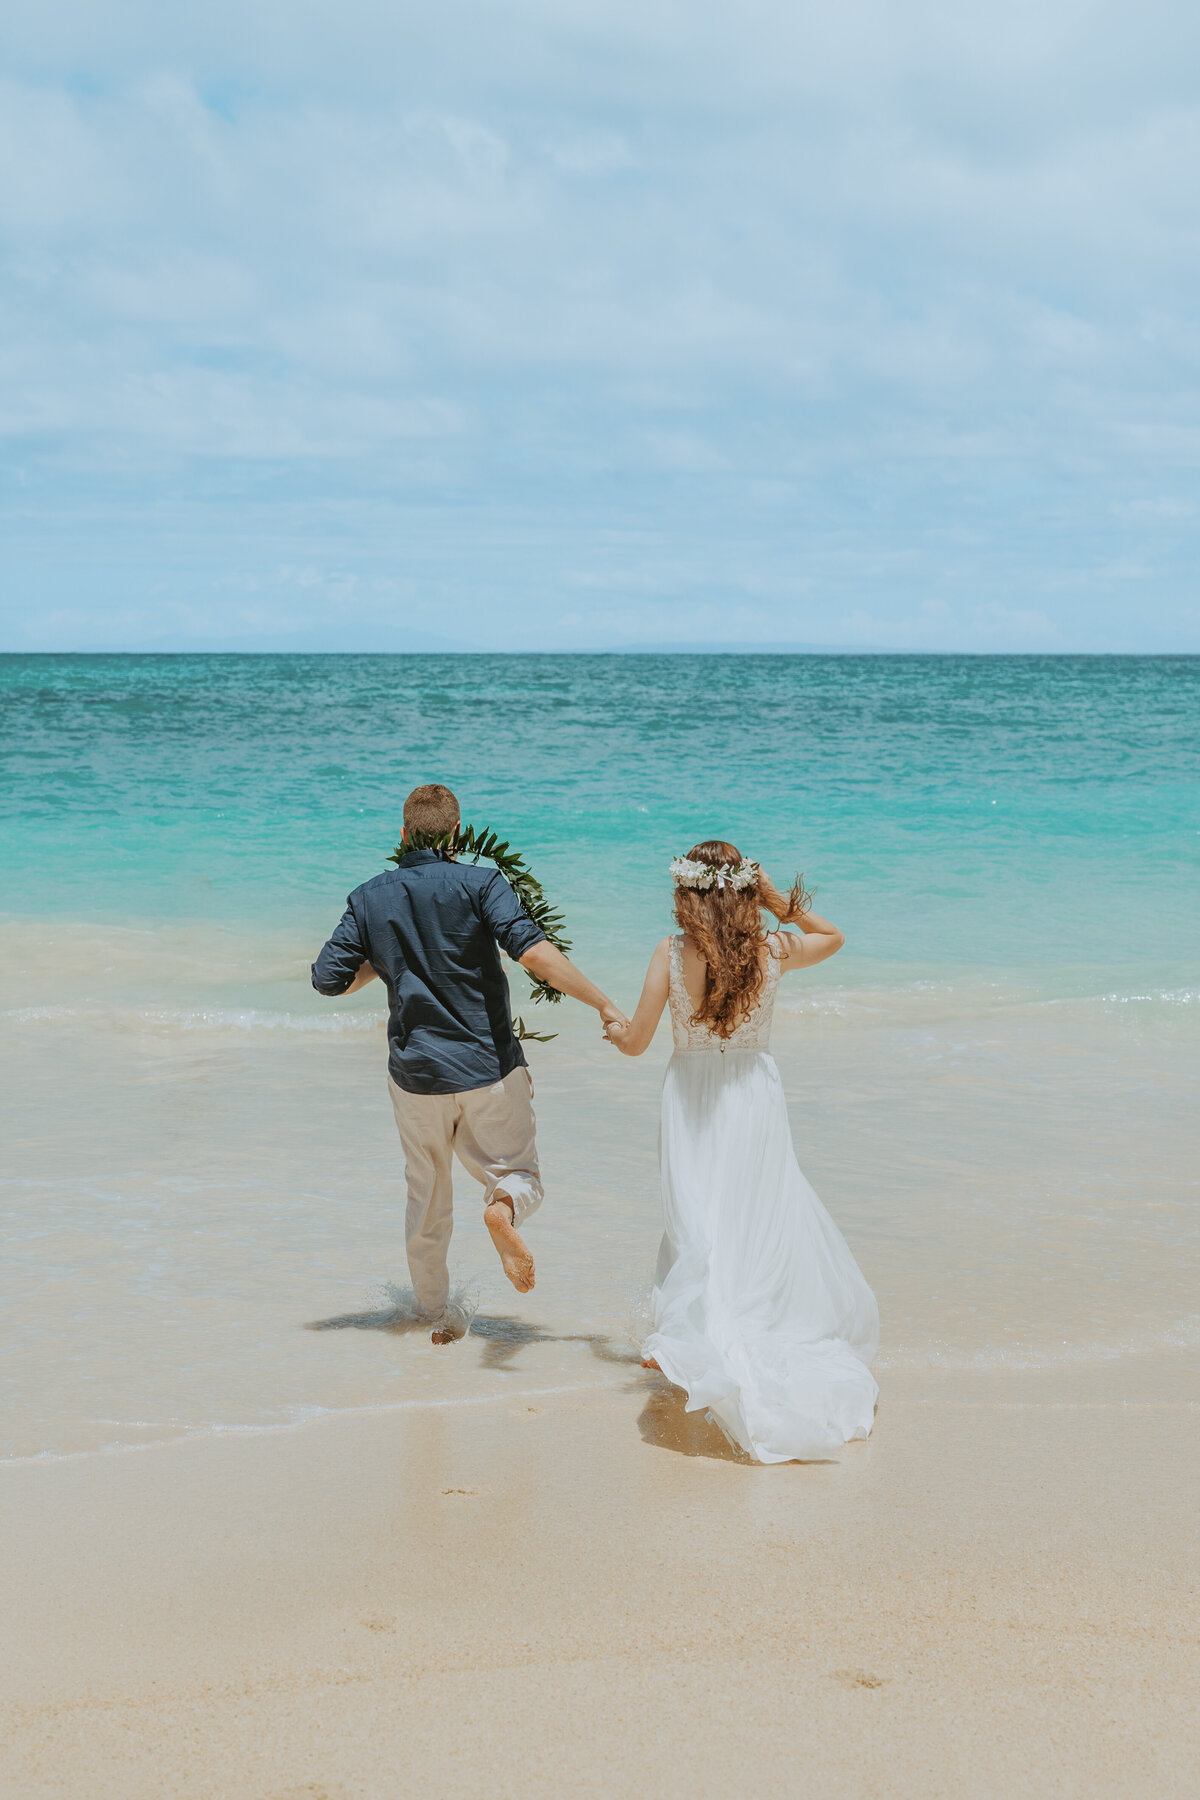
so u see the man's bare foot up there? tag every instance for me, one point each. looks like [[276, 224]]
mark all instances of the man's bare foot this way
[[511, 1248], [452, 1323], [648, 1362]]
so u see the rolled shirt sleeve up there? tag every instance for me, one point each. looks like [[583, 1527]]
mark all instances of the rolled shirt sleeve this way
[[341, 958], [507, 920]]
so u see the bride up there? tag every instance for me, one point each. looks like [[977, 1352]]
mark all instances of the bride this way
[[760, 1311]]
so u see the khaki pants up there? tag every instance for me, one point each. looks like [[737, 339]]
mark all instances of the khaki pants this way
[[491, 1131]]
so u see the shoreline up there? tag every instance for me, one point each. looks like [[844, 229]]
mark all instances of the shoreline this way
[[1077, 1367], [589, 1593], [201, 1434], [1084, 1364]]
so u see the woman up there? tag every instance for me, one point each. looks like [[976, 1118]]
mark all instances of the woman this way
[[760, 1311]]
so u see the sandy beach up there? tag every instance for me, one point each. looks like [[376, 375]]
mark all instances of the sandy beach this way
[[260, 1541], [584, 1592], [512, 505]]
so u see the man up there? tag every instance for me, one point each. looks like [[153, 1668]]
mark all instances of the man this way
[[456, 1072]]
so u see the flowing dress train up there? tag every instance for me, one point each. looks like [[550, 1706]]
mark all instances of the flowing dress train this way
[[760, 1311]]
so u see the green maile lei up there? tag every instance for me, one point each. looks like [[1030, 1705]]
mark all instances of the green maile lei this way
[[476, 845]]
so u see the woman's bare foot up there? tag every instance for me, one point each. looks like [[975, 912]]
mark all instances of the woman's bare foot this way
[[648, 1362], [511, 1248]]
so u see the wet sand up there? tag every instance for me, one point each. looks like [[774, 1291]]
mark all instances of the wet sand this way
[[587, 1593]]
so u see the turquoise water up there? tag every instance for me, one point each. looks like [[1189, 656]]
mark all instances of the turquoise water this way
[[976, 809], [993, 1087]]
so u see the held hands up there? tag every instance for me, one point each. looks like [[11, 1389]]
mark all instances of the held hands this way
[[613, 1024]]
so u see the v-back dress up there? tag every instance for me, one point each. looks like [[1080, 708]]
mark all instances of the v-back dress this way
[[760, 1311]]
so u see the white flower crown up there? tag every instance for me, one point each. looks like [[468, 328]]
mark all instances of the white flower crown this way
[[688, 874]]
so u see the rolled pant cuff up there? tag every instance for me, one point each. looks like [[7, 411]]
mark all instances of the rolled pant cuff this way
[[525, 1194]]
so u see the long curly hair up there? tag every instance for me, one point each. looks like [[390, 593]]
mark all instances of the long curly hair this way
[[725, 924]]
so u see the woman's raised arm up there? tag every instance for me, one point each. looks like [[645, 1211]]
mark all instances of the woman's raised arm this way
[[633, 1038], [820, 939]]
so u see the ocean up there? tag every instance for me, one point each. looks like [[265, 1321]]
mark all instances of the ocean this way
[[993, 1087]]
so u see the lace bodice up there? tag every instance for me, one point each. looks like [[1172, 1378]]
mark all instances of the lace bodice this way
[[754, 1032]]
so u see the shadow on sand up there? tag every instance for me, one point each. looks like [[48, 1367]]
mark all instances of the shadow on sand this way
[[664, 1423], [503, 1335]]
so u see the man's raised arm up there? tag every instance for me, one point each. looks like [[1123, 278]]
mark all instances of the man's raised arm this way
[[547, 964], [525, 942]]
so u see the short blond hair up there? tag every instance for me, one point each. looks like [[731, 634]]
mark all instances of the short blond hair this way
[[432, 809]]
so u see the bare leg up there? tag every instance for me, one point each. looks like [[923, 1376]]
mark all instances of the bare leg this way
[[511, 1248]]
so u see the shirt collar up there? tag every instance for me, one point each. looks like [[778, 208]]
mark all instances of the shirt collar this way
[[421, 856]]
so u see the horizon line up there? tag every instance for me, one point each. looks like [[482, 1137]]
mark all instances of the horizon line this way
[[623, 650]]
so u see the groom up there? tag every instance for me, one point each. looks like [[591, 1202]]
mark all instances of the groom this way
[[430, 928]]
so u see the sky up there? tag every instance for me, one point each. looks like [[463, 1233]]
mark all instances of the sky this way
[[585, 324]]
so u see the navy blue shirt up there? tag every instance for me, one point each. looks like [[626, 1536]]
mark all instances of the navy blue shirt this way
[[429, 928]]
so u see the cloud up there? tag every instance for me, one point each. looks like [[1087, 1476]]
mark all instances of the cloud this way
[[817, 321]]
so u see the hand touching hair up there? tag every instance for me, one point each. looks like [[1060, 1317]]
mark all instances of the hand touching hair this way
[[786, 907], [725, 924]]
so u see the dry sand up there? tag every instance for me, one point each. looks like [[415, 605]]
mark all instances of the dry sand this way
[[585, 1593]]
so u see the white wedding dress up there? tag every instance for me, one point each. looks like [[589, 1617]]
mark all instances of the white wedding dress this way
[[760, 1311]]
